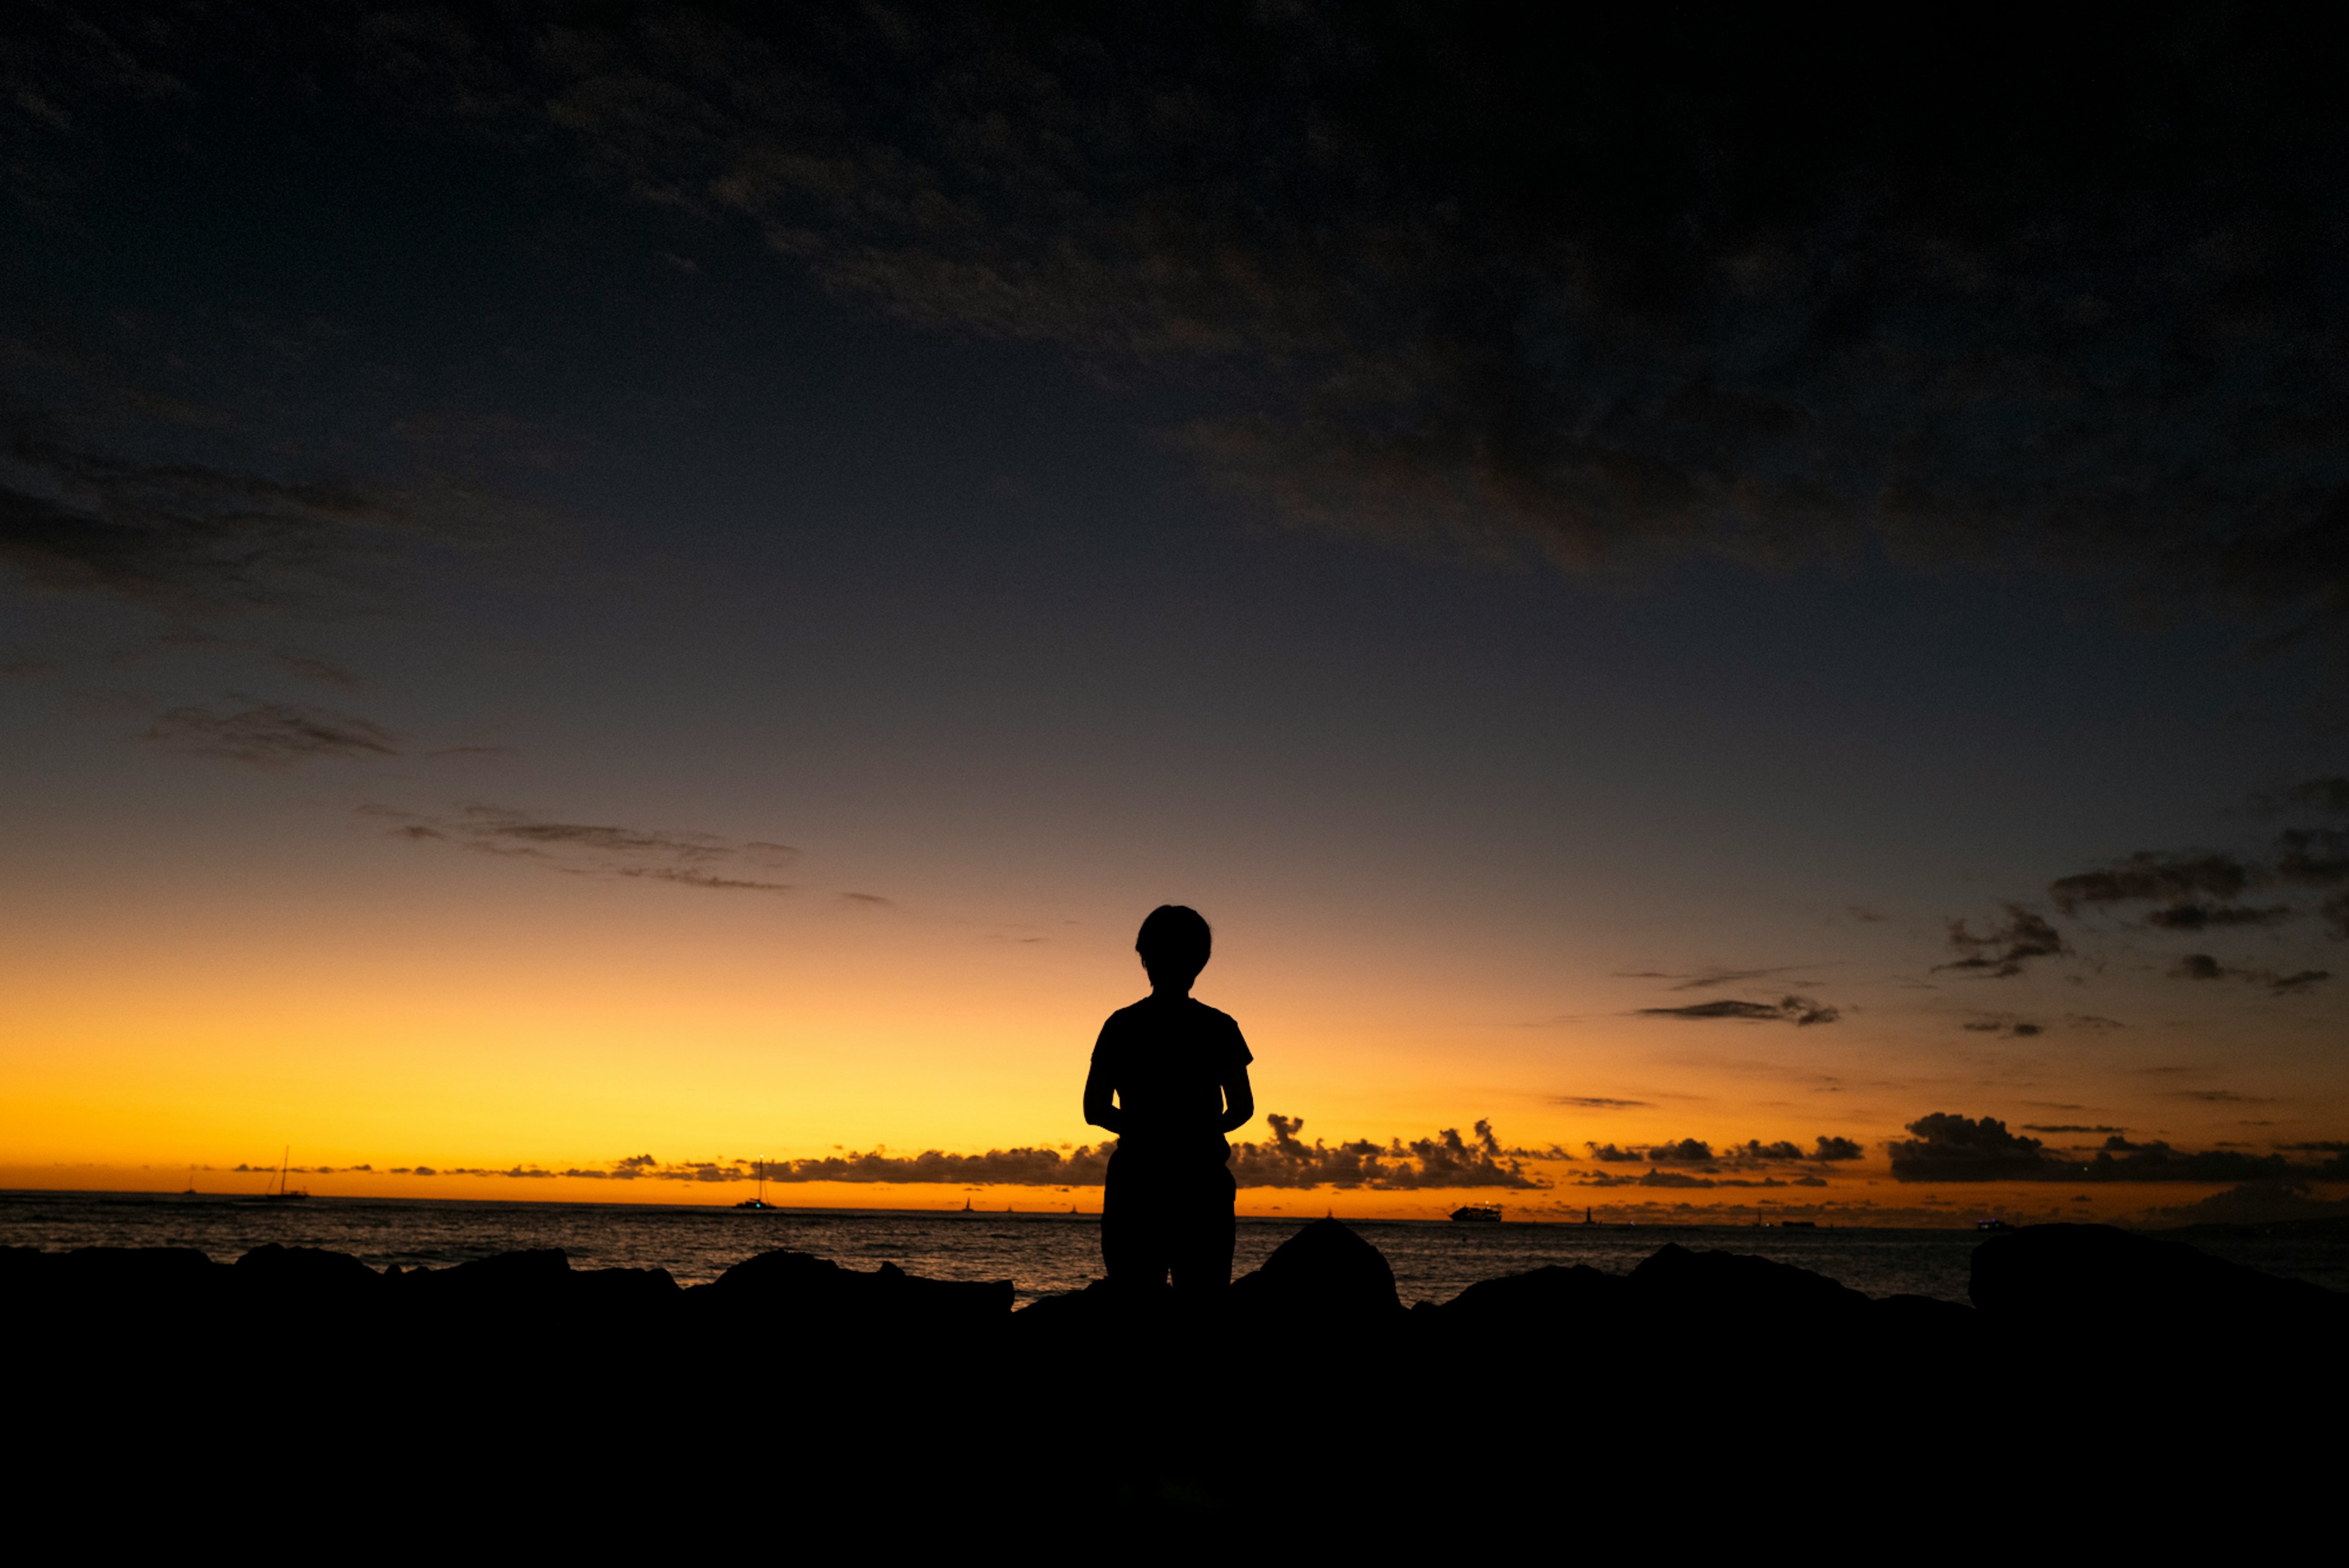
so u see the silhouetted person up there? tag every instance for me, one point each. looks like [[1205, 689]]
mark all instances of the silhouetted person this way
[[1170, 1078]]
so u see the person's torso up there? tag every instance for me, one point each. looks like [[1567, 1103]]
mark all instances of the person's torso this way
[[1169, 1063]]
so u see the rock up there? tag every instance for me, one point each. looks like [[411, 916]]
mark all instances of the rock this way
[[1325, 1275], [799, 1286], [312, 1273], [1068, 1313], [2097, 1282], [1551, 1300], [1923, 1316], [530, 1281], [127, 1277], [1736, 1286], [623, 1290]]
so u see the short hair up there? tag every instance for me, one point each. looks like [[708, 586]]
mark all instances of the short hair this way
[[1174, 937]]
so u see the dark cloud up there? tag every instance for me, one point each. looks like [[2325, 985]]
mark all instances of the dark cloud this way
[[2121, 1160], [1085, 1166], [1446, 1159], [1750, 1153], [1946, 1148], [1957, 1148], [2068, 1128], [1711, 979], [1597, 1102], [1797, 1009], [2202, 966], [2254, 1203], [2185, 882], [1604, 284], [2007, 947], [2317, 857], [1662, 1179], [703, 860], [2148, 876], [272, 734], [2200, 917], [2003, 1024]]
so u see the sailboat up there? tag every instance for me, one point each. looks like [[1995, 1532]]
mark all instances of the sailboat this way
[[283, 1192], [760, 1202]]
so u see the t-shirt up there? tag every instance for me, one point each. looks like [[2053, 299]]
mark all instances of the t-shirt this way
[[1168, 1063]]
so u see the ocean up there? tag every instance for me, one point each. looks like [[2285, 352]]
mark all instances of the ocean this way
[[1041, 1253]]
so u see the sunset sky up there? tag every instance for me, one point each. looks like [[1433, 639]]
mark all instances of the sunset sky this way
[[632, 591]]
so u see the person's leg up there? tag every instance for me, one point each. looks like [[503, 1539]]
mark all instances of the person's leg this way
[[1205, 1233], [1134, 1240]]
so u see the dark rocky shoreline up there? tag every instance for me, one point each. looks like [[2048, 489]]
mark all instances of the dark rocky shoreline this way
[[923, 1398]]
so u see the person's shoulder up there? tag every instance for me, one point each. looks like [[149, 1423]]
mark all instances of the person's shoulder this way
[[1129, 1015], [1211, 1017]]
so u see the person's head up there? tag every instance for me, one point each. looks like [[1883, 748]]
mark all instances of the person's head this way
[[1174, 945]]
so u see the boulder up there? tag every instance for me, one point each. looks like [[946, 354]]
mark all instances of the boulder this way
[[127, 1277], [1676, 1281], [623, 1290], [310, 1273], [801, 1287], [1325, 1276], [510, 1282], [1552, 1300], [2097, 1282]]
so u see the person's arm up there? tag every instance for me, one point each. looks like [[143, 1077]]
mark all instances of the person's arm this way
[[1100, 1088], [1239, 1100]]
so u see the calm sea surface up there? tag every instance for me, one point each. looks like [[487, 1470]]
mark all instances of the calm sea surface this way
[[1040, 1252]]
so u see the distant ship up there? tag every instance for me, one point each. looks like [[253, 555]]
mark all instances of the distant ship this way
[[1478, 1214], [283, 1192], [1798, 1224], [1993, 1223], [760, 1200]]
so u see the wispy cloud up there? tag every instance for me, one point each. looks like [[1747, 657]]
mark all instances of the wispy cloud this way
[[704, 860], [2005, 1025], [2007, 947], [2202, 966], [272, 734], [1795, 1009], [186, 537]]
